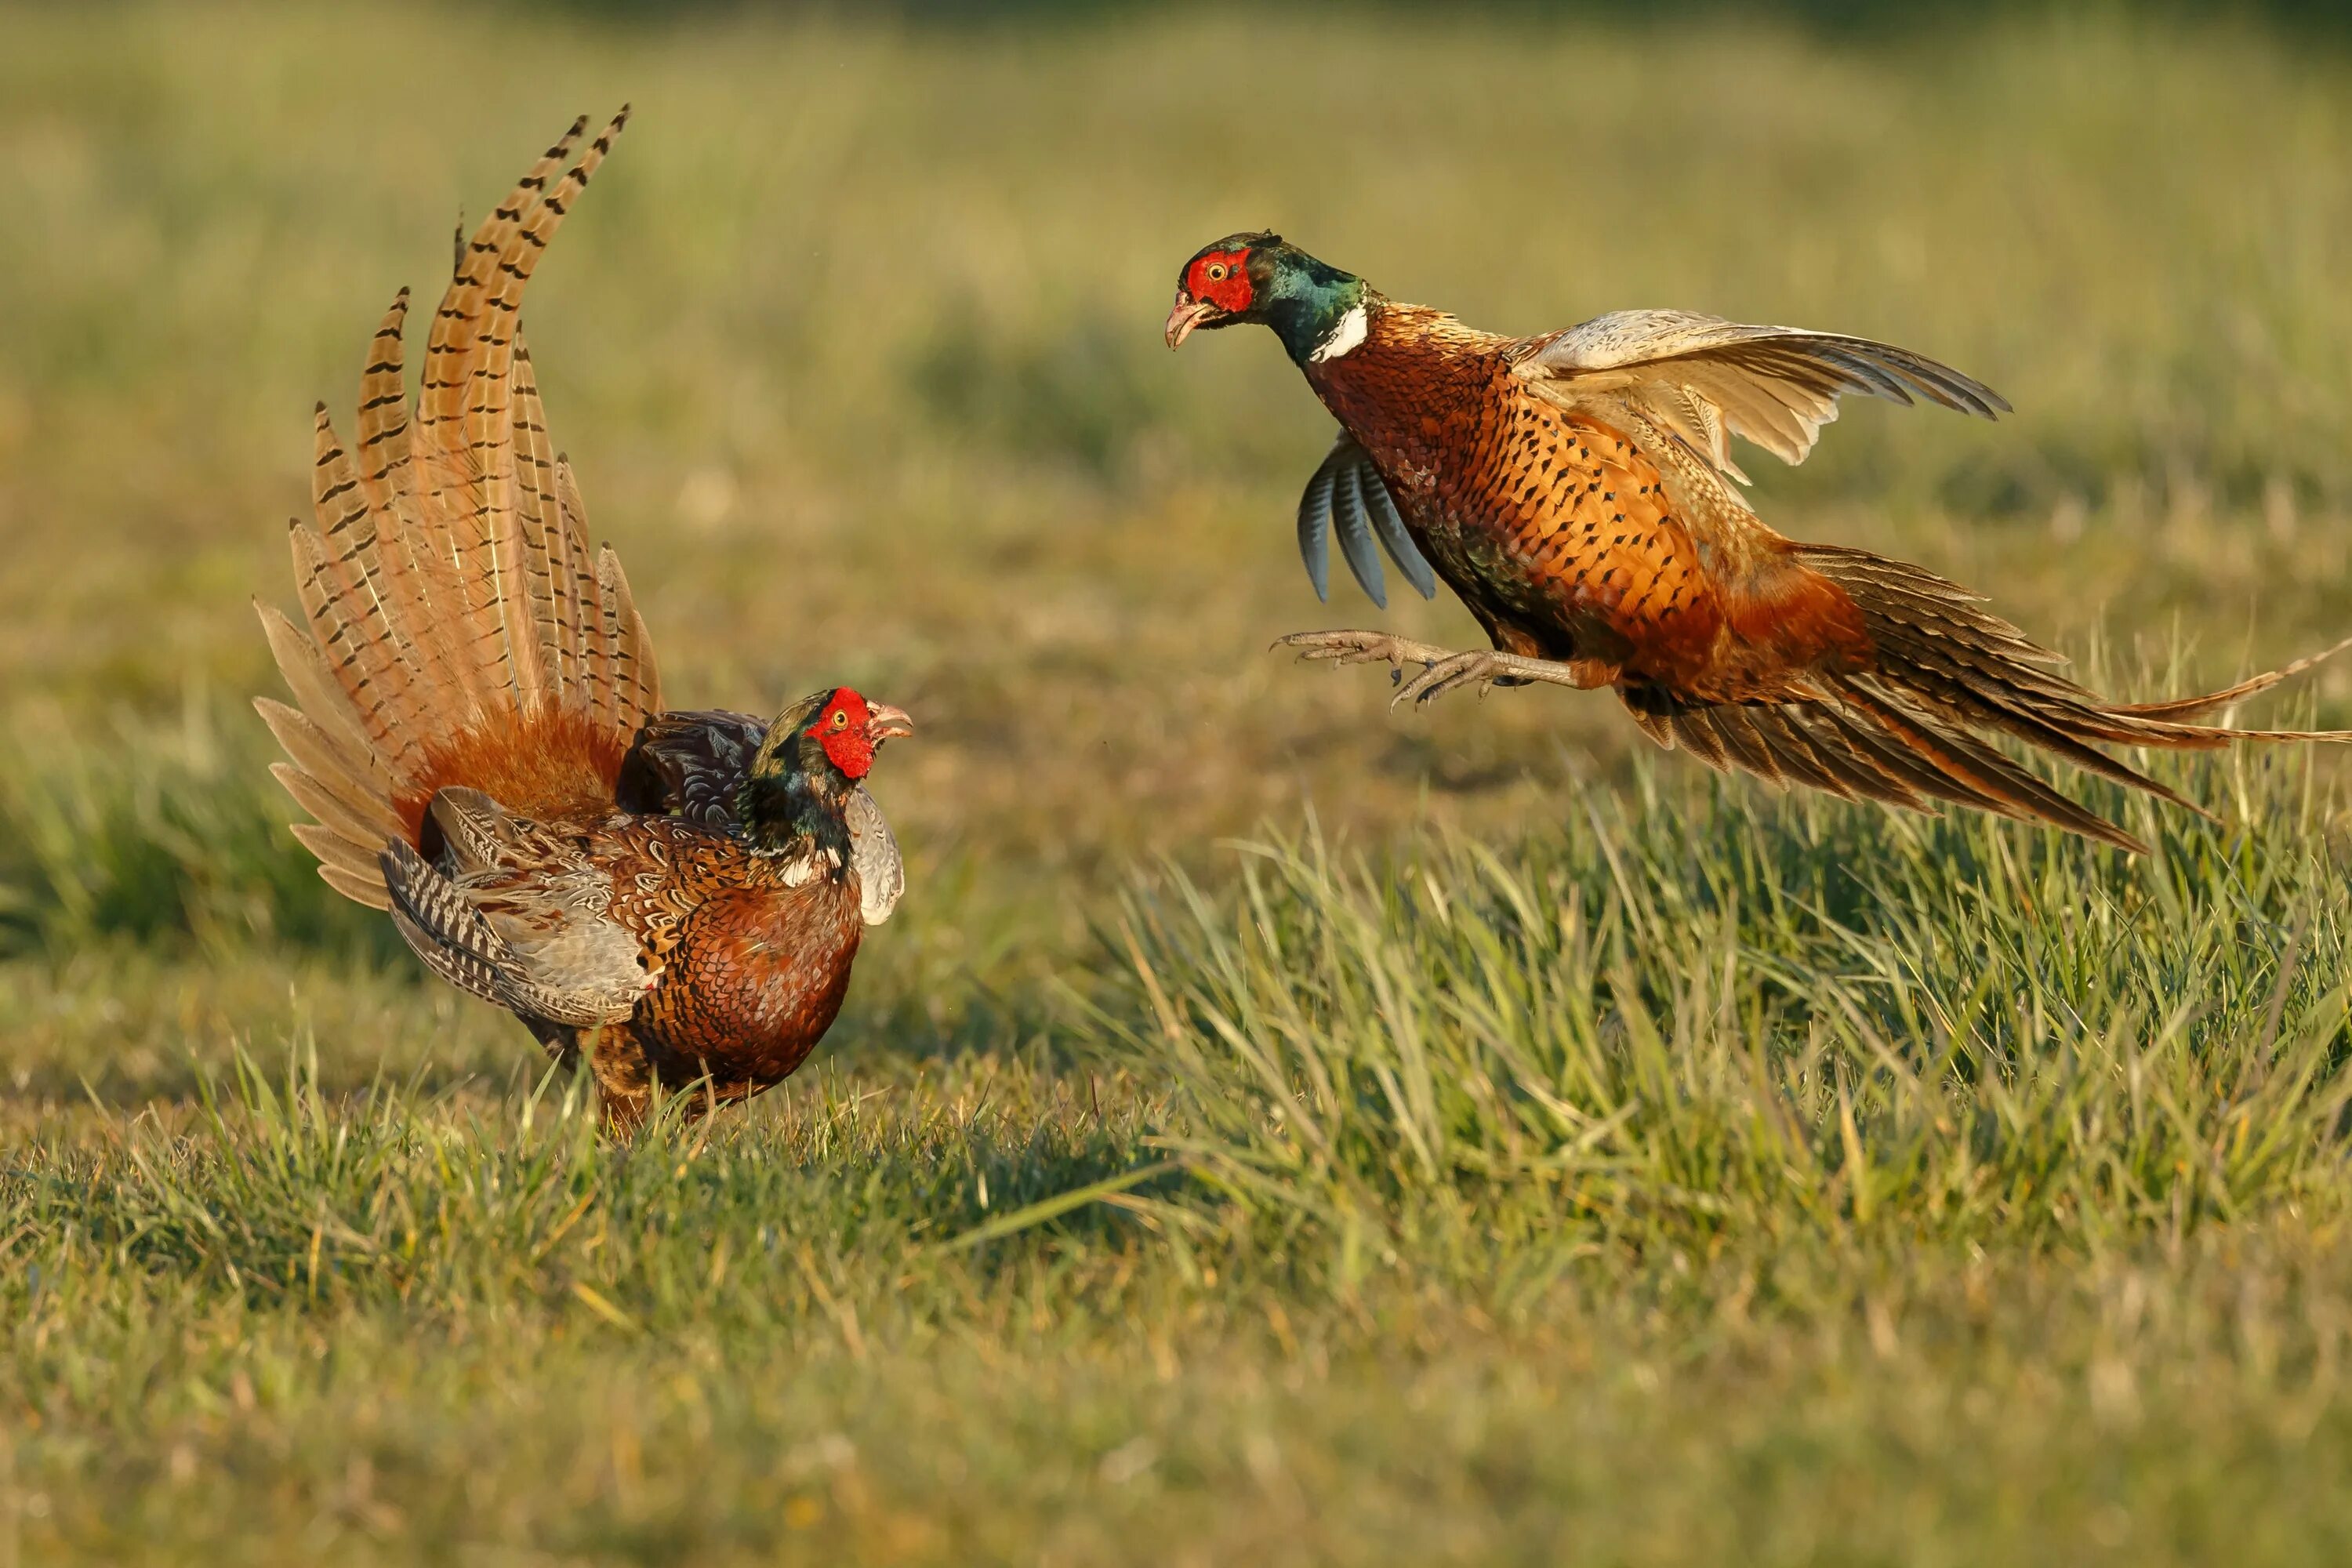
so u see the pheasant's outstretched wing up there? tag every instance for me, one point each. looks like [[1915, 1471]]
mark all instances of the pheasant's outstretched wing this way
[[1705, 379], [455, 623], [1348, 495]]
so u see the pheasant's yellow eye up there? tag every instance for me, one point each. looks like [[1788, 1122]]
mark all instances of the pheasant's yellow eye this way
[[841, 718], [1216, 272]]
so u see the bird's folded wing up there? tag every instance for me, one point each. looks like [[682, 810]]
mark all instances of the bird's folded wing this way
[[1703, 378], [691, 765], [517, 916]]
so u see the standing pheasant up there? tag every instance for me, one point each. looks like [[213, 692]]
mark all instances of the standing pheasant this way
[[1572, 490], [480, 732]]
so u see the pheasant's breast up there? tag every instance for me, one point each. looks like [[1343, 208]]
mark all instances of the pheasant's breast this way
[[750, 968], [1548, 522]]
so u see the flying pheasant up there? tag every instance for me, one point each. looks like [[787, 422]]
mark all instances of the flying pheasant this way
[[1572, 490], [479, 732]]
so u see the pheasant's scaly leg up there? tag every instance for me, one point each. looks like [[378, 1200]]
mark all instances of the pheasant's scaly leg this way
[[1443, 669]]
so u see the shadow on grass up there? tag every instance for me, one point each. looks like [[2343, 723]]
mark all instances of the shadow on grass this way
[[269, 1188]]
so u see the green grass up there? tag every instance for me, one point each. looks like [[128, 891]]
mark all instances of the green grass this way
[[1696, 1022], [1271, 1130], [1660, 1188]]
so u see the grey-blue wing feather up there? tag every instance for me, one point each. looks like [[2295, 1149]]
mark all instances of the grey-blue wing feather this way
[[1355, 530], [1401, 549], [1315, 530], [1347, 494]]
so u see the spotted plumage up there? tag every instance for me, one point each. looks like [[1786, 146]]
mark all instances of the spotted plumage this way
[[1576, 490], [478, 730]]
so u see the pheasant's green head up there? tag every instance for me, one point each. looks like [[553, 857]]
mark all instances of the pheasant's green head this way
[[1314, 308]]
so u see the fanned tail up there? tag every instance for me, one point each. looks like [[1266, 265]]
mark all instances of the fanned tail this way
[[1907, 728], [456, 629]]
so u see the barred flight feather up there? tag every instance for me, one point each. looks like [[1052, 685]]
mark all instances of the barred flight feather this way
[[455, 627]]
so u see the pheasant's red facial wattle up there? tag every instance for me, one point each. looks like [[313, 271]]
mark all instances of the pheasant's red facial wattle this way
[[1221, 277], [1214, 288], [843, 729], [851, 730]]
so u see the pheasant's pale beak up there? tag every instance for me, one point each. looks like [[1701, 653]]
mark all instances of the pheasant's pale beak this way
[[884, 722], [1187, 314]]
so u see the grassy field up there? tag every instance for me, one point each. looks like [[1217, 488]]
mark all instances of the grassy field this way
[[1271, 1130]]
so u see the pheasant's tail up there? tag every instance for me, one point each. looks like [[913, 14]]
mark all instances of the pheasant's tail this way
[[2191, 707], [1909, 728], [456, 627]]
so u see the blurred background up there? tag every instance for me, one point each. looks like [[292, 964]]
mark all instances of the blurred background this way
[[855, 346]]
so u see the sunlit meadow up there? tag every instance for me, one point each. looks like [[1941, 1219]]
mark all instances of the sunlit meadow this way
[[1272, 1130]]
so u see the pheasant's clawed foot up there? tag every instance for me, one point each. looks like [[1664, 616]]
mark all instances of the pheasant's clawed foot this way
[[1479, 669], [1442, 669], [1364, 648]]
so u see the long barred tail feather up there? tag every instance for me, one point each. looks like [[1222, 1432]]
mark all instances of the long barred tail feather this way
[[1908, 730], [456, 627]]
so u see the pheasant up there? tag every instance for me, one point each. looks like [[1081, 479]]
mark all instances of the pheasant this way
[[1573, 489], [477, 730]]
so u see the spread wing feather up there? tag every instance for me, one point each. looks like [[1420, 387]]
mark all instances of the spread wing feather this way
[[1315, 528], [438, 923], [1705, 379], [1390, 527], [874, 854]]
